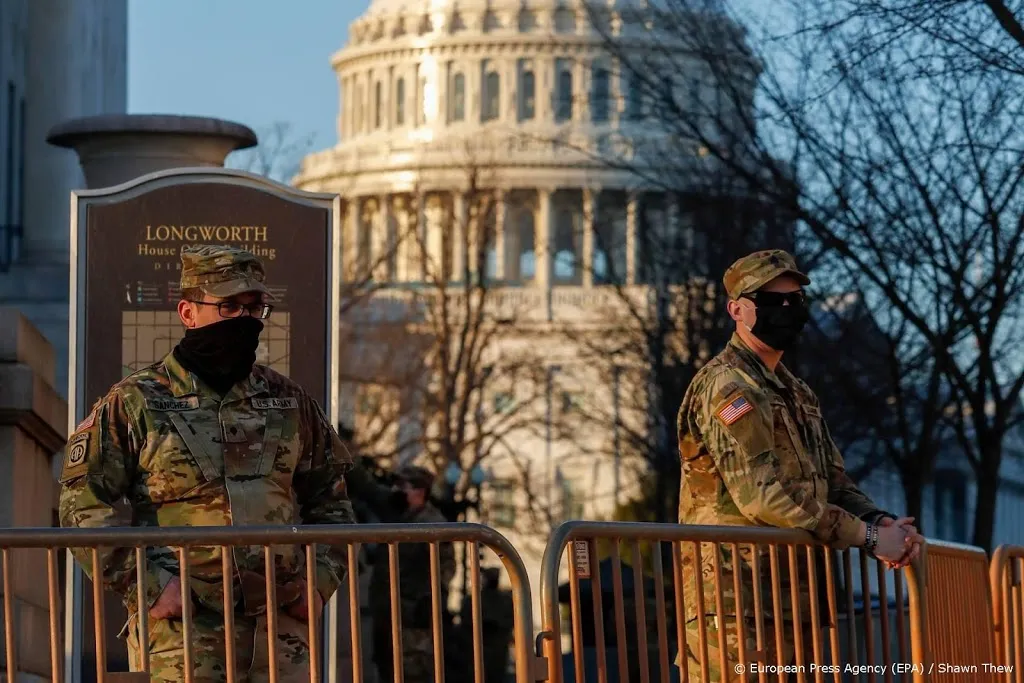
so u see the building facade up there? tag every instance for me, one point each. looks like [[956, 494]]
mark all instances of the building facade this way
[[59, 59]]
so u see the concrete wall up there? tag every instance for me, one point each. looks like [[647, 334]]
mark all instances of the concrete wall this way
[[33, 426]]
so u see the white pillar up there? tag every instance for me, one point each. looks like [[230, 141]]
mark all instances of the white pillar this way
[[499, 235], [350, 241], [588, 236], [459, 236], [405, 242], [434, 230], [631, 208], [542, 239]]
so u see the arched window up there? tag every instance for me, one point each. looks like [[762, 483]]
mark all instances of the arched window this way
[[599, 95], [527, 95], [492, 96], [458, 101], [400, 102], [563, 92], [377, 104]]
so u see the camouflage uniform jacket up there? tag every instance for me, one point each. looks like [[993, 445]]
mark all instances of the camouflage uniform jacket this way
[[756, 451], [413, 573], [183, 456]]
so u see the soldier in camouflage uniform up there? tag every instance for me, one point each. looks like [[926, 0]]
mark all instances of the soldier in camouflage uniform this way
[[205, 437], [413, 582], [755, 451]]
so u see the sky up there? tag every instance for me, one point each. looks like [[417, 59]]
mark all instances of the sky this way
[[249, 61]]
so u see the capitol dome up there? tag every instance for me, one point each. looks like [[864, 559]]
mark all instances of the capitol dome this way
[[527, 89]]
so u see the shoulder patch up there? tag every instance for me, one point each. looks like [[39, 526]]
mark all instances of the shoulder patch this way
[[172, 404], [87, 422], [288, 403], [733, 410], [75, 457]]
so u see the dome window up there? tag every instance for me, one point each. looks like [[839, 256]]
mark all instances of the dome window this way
[[458, 98]]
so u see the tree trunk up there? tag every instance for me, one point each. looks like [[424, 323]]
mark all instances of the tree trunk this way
[[913, 492], [985, 505]]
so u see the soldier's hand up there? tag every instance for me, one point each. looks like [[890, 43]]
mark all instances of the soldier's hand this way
[[168, 605], [905, 523], [894, 542]]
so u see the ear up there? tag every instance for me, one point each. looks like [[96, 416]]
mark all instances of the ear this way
[[187, 314], [735, 310]]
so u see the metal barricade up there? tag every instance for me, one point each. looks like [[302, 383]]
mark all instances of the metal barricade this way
[[1005, 571], [270, 539], [870, 648]]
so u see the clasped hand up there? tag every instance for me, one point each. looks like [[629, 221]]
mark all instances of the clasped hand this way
[[899, 543]]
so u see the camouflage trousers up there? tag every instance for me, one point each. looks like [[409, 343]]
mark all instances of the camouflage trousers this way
[[417, 652], [766, 660], [167, 649]]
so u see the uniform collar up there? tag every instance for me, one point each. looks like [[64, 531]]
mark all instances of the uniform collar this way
[[182, 382], [754, 362]]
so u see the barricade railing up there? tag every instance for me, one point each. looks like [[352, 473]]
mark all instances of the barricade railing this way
[[893, 648], [187, 540], [1005, 572]]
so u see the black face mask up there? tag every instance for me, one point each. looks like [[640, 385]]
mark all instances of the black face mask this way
[[780, 326], [223, 353]]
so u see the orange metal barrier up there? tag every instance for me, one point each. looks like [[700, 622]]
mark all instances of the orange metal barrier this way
[[1005, 573], [17, 541], [894, 650]]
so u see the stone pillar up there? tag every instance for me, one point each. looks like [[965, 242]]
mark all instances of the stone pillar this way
[[588, 236], [33, 426], [459, 237], [499, 236], [542, 241], [631, 208], [116, 148]]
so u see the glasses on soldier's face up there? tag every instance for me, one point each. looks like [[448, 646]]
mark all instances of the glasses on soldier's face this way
[[797, 298], [233, 309]]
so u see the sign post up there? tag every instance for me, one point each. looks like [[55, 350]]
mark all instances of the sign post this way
[[125, 269]]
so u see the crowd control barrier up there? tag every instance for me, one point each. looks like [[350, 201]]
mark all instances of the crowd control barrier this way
[[21, 541]]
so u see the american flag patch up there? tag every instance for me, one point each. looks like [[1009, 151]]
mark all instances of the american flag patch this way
[[734, 410]]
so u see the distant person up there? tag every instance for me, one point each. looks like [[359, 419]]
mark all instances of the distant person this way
[[205, 437], [408, 503], [756, 451]]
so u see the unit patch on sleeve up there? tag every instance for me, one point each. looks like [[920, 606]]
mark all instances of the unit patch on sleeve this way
[[289, 403], [734, 410], [75, 457]]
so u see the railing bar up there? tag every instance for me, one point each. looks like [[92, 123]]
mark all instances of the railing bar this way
[[620, 615], [901, 626], [680, 600], [1016, 595], [141, 592], [701, 612], [815, 607], [186, 611], [773, 559], [1008, 644], [227, 572], [640, 596], [10, 630], [435, 613], [755, 552], [56, 649], [869, 631], [271, 577], [355, 618], [798, 631], [851, 614], [396, 615], [883, 607], [312, 614], [741, 617], [476, 608], [99, 616], [660, 606], [833, 611], [596, 591], [720, 615], [577, 616]]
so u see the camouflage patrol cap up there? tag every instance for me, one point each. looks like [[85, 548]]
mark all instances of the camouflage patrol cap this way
[[753, 271], [419, 477], [221, 271]]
